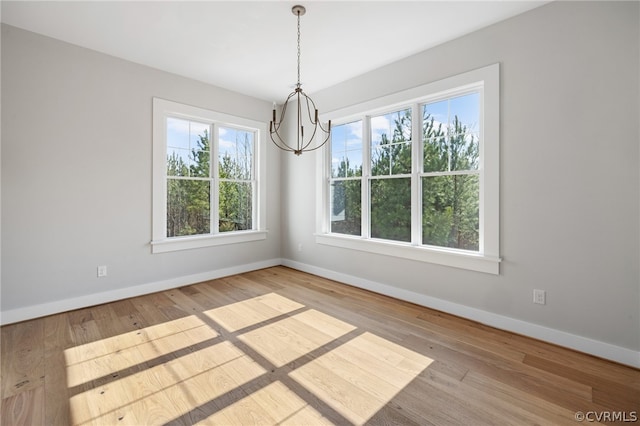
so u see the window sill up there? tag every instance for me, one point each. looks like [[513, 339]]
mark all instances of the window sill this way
[[448, 257], [200, 241]]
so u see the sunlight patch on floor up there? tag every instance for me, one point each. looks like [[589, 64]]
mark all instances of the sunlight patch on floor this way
[[237, 316], [119, 360], [273, 404], [361, 376], [109, 345], [294, 337], [168, 390], [183, 370]]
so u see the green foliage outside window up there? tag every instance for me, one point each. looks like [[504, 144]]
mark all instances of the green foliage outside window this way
[[450, 186], [189, 192], [234, 202], [390, 195], [450, 204], [346, 208], [188, 200]]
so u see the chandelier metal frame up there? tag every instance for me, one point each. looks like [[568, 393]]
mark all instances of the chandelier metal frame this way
[[304, 102]]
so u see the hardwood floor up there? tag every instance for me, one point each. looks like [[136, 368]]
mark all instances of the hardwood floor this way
[[278, 346]]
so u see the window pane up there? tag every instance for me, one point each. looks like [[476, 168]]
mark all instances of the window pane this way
[[187, 148], [464, 154], [346, 205], [466, 110], [235, 200], [437, 114], [391, 143], [451, 134], [200, 155], [436, 154], [392, 159], [380, 161], [235, 153], [457, 152], [450, 211], [346, 150], [188, 204], [390, 128], [391, 209], [400, 155], [178, 162], [178, 133]]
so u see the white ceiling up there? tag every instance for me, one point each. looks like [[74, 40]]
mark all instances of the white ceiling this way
[[250, 47]]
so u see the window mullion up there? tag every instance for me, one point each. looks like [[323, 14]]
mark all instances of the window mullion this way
[[214, 179], [366, 178], [416, 167], [255, 217], [328, 194]]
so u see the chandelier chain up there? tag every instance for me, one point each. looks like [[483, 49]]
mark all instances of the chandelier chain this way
[[298, 49]]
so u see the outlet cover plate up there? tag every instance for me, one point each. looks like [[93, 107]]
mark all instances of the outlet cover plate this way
[[539, 297], [102, 271]]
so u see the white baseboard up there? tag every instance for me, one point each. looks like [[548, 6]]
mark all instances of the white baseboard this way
[[561, 338], [558, 337], [36, 311]]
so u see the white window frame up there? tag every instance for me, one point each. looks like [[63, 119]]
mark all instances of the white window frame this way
[[160, 243], [486, 81]]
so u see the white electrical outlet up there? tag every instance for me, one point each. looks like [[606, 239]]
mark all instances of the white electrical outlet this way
[[102, 271], [539, 297]]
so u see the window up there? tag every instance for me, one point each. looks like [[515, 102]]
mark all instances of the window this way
[[206, 178], [345, 184], [450, 176], [415, 174], [390, 175]]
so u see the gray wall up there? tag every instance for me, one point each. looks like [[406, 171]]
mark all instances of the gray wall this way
[[569, 172], [76, 173]]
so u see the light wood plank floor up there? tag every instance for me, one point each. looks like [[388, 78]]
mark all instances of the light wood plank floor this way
[[278, 346]]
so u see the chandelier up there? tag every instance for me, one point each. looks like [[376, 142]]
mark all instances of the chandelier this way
[[305, 106]]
